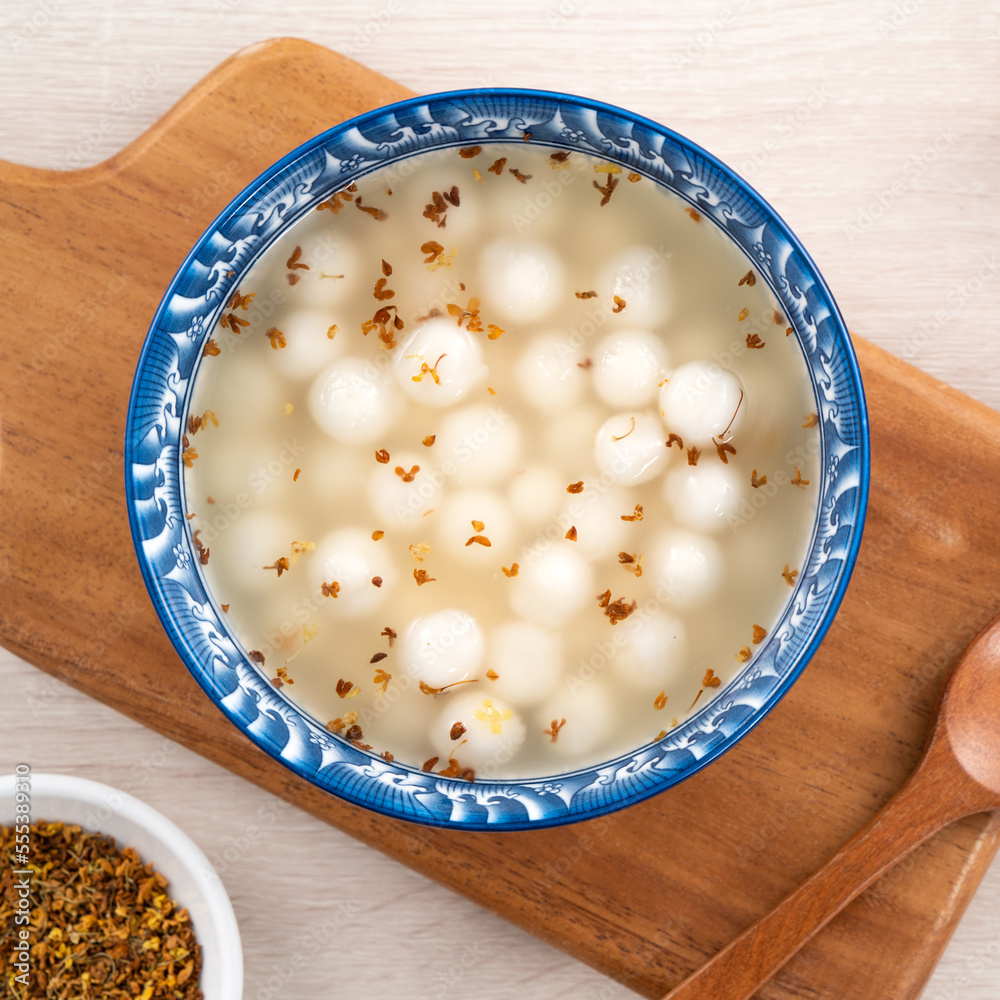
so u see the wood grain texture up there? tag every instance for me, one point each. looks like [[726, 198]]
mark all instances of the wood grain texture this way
[[682, 105], [958, 776]]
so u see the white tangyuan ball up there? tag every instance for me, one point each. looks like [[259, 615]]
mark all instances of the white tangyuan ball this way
[[255, 539], [455, 528], [451, 353], [705, 496], [482, 443], [630, 448], [549, 375], [589, 721], [651, 656], [529, 661], [535, 494], [352, 401], [702, 401], [628, 367], [395, 501], [441, 648], [596, 513], [638, 276], [350, 558], [687, 566], [522, 280], [494, 730], [308, 344], [552, 586]]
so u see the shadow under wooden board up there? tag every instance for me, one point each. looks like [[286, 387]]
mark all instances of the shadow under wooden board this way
[[646, 894]]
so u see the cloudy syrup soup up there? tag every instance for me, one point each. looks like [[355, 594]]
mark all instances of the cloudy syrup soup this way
[[501, 462]]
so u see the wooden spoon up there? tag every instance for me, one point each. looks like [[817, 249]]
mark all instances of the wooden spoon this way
[[957, 776]]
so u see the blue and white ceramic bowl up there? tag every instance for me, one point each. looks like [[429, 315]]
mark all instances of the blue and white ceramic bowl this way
[[189, 310]]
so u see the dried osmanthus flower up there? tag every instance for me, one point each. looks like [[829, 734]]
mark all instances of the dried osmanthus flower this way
[[437, 210], [426, 369], [346, 689], [337, 202], [418, 550], [494, 716], [553, 731], [607, 189], [616, 611], [200, 547], [433, 249], [722, 447], [195, 422], [632, 562], [281, 564], [102, 923], [294, 264], [376, 213], [426, 688]]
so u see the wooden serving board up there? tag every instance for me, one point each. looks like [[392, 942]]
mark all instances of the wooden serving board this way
[[646, 894]]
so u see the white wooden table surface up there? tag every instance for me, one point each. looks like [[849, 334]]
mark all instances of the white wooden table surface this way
[[871, 126]]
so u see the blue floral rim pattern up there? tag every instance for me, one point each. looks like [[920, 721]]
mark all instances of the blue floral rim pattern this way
[[191, 307]]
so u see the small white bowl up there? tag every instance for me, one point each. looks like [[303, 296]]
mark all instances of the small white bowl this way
[[194, 883]]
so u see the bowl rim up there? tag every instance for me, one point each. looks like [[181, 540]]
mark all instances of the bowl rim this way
[[402, 791], [96, 794]]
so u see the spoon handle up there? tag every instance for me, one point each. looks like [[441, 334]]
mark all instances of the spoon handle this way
[[925, 804]]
